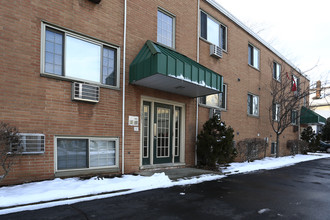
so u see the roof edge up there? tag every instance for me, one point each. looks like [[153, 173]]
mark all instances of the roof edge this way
[[253, 34]]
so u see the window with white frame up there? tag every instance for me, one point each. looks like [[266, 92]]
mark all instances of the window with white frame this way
[[294, 117], [277, 71], [85, 153], [69, 55], [213, 31], [254, 56], [273, 148], [295, 84], [165, 28], [216, 100], [253, 105], [276, 112], [30, 144]]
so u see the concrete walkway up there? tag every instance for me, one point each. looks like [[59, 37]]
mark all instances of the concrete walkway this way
[[178, 173]]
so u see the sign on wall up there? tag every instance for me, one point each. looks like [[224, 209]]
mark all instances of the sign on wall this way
[[133, 120]]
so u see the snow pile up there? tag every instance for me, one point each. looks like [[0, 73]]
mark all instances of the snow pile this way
[[73, 190], [74, 187], [270, 163]]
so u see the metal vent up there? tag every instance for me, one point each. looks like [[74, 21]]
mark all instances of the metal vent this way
[[29, 144], [85, 92], [215, 51]]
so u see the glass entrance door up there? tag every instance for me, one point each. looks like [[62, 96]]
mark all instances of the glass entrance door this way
[[163, 122]]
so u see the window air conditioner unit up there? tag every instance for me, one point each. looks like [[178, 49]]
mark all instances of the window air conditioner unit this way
[[214, 111], [215, 51], [85, 92]]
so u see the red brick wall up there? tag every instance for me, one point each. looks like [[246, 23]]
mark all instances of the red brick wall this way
[[243, 79], [37, 104]]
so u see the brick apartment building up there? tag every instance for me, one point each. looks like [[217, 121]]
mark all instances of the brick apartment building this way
[[118, 86]]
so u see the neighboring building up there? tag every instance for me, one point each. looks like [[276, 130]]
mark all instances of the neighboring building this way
[[320, 99], [319, 102], [93, 96]]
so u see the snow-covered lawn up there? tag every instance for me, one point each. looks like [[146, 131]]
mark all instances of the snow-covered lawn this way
[[56, 192]]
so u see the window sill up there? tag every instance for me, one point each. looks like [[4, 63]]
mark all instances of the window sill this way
[[254, 67], [87, 171], [253, 116], [276, 80], [53, 76], [209, 106], [208, 42]]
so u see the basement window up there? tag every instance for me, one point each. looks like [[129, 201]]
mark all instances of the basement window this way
[[86, 153]]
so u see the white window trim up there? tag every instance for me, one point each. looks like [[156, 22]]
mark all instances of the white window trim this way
[[86, 38], [218, 107], [259, 57], [253, 95], [277, 112], [116, 139], [173, 25], [296, 117], [226, 95], [279, 74], [220, 24]]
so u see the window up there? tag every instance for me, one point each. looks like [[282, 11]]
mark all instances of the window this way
[[277, 71], [253, 56], [213, 31], [295, 84], [30, 144], [276, 112], [165, 29], [273, 148], [253, 105], [73, 56], [84, 153], [294, 117], [216, 100]]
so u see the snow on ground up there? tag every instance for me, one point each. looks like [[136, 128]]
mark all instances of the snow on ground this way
[[270, 163], [31, 196]]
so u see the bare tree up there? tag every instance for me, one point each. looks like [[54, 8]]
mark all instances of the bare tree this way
[[287, 93], [9, 148]]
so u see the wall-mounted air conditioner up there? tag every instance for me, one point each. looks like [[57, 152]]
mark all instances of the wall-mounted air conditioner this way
[[85, 92], [215, 51]]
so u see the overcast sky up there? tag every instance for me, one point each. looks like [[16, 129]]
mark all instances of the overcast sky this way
[[298, 29]]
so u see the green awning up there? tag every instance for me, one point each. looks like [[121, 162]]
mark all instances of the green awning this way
[[310, 117], [164, 69]]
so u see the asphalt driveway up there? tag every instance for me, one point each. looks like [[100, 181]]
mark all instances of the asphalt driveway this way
[[297, 192]]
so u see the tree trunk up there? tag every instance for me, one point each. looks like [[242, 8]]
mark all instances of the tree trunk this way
[[277, 145]]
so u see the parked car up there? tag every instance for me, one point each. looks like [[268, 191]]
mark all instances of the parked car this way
[[325, 146]]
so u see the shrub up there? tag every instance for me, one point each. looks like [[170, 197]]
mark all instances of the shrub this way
[[215, 143], [251, 149], [326, 131], [297, 146], [9, 148], [312, 139]]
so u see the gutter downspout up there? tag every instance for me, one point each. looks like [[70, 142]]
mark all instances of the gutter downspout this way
[[197, 59], [124, 83]]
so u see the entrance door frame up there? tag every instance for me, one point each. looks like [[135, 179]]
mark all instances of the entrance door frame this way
[[152, 102]]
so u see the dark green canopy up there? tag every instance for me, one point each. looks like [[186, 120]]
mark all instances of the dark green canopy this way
[[162, 68]]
